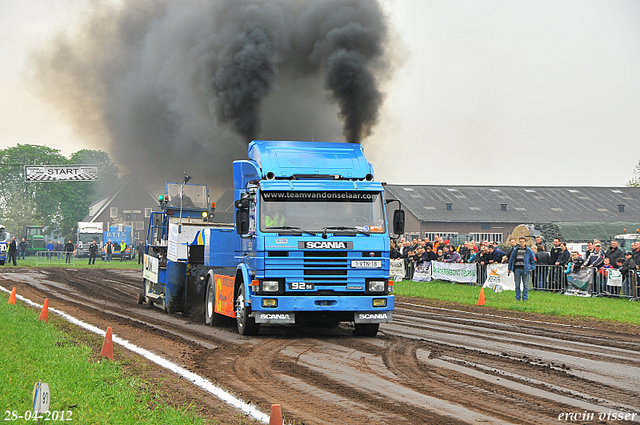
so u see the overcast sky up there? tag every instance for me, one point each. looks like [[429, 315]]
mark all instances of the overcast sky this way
[[487, 92]]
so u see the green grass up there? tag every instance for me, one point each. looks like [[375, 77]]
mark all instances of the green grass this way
[[96, 391], [30, 261], [600, 308]]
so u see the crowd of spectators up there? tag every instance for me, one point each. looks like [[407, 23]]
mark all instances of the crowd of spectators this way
[[420, 251]]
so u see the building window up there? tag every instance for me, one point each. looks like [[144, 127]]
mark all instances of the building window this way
[[485, 226], [138, 225], [113, 212], [147, 212], [479, 237], [443, 235]]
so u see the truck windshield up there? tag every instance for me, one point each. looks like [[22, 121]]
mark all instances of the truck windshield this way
[[188, 195], [34, 231], [313, 211], [88, 237]]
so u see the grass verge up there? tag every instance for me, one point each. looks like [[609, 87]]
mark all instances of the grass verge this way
[[92, 390], [79, 263], [610, 309]]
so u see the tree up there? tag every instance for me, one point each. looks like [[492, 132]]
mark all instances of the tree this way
[[20, 200], [635, 181], [56, 205]]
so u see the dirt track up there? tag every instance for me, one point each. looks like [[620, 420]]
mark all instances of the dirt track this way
[[435, 364]]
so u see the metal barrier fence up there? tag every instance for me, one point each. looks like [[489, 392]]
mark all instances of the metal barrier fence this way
[[53, 258], [554, 279]]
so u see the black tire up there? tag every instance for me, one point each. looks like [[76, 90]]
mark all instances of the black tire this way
[[246, 325], [211, 318], [140, 298], [366, 329], [1, 262]]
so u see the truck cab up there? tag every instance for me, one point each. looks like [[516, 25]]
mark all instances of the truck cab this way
[[314, 240], [87, 233]]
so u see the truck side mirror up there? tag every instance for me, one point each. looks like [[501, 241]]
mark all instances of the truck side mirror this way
[[243, 203], [242, 221], [398, 222]]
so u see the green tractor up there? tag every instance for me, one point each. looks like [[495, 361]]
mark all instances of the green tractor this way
[[34, 235]]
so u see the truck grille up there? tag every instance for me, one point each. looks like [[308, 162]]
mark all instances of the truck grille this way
[[322, 268]]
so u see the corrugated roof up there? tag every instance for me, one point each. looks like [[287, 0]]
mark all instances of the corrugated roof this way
[[518, 204]]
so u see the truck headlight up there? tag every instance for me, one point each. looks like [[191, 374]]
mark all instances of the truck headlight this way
[[270, 285], [376, 285]]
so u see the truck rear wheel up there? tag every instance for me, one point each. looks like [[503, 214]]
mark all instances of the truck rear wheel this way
[[366, 329], [246, 325]]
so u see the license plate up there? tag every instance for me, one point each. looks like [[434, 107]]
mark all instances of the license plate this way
[[301, 286], [363, 264]]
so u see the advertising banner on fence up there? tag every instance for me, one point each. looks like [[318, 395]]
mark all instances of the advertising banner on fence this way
[[454, 272], [422, 273], [497, 278], [581, 283], [614, 278], [396, 270]]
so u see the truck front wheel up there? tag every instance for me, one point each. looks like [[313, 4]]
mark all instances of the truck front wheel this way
[[211, 318], [246, 325]]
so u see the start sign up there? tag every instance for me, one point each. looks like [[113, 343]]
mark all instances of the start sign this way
[[56, 173]]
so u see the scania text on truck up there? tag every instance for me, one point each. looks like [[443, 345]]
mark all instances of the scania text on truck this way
[[310, 243]]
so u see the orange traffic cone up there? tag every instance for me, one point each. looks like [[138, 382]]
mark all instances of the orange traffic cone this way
[[12, 297], [107, 346], [44, 314], [481, 297], [276, 415]]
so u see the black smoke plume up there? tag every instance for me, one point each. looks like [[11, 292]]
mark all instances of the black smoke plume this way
[[167, 86]]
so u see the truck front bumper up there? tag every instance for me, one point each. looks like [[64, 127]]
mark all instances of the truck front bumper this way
[[286, 309]]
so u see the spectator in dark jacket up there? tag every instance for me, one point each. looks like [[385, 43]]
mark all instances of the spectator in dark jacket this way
[[429, 255], [627, 268], [68, 249], [12, 252], [465, 252], [394, 254], [495, 254], [22, 248], [635, 253], [543, 261], [554, 251], [564, 256], [589, 251], [613, 253], [512, 245], [482, 257]]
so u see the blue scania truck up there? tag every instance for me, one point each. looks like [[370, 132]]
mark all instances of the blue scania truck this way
[[309, 242]]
